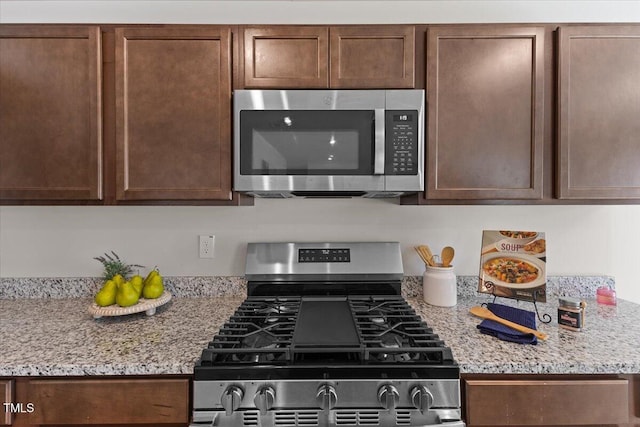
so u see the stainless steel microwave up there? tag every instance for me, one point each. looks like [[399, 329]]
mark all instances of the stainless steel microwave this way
[[328, 143]]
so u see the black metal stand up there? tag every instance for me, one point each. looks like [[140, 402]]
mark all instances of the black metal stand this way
[[546, 318]]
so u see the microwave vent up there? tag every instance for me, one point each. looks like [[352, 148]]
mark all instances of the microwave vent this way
[[270, 195], [328, 194], [385, 195]]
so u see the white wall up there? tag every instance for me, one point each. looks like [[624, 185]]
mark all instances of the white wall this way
[[319, 11], [61, 241]]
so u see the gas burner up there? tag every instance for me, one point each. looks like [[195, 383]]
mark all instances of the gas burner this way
[[261, 339], [396, 357], [377, 317], [391, 340], [278, 308], [270, 311]]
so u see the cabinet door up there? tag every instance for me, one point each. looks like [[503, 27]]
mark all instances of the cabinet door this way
[[374, 56], [50, 113], [599, 112], [6, 396], [546, 402], [109, 401], [173, 108], [286, 57], [485, 112]]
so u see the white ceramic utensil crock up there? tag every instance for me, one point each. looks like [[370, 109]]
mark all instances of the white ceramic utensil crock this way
[[439, 286]]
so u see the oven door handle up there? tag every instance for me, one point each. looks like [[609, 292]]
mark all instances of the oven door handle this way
[[379, 141]]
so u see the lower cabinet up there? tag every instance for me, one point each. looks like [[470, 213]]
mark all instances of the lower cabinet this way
[[548, 400], [123, 401]]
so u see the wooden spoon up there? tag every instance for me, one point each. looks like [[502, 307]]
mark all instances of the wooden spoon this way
[[485, 313], [422, 254], [428, 254], [447, 256]]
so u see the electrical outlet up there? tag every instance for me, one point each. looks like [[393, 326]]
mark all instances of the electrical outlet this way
[[206, 246]]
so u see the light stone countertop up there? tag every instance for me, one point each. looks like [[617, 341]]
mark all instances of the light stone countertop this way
[[608, 344], [57, 337]]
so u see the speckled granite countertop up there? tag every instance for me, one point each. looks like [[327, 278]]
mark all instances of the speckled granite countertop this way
[[609, 342], [51, 337]]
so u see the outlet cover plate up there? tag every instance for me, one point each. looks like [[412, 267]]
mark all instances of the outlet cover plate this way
[[206, 245]]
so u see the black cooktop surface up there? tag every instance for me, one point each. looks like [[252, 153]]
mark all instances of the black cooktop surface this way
[[329, 332]]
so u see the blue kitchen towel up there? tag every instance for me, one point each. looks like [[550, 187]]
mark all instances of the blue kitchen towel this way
[[515, 315]]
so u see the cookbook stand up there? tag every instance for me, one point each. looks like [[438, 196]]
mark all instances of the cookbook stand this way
[[546, 318]]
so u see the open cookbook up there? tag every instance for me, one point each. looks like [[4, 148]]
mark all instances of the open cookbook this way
[[513, 264]]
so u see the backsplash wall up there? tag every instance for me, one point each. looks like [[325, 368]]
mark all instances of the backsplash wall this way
[[39, 241]]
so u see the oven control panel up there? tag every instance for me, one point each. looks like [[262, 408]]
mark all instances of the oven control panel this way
[[324, 255], [401, 145]]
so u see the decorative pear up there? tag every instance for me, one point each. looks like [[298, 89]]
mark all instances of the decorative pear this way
[[152, 273], [137, 283], [153, 288], [126, 295], [118, 279], [107, 295]]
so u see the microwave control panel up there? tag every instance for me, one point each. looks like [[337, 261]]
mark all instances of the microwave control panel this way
[[401, 145]]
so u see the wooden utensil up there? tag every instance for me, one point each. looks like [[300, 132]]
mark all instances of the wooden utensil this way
[[485, 313], [425, 254], [428, 254], [447, 256]]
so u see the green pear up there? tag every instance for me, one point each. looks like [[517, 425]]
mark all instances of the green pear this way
[[153, 288], [118, 279], [137, 283], [152, 273], [107, 295], [126, 295]]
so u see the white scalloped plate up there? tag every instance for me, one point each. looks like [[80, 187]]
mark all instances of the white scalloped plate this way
[[147, 305]]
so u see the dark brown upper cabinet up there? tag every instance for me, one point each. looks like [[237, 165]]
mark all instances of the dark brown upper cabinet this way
[[286, 57], [485, 121], [173, 113], [369, 56], [372, 56], [599, 112], [50, 113]]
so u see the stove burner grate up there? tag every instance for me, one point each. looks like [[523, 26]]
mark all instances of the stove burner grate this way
[[298, 331], [260, 331], [393, 333]]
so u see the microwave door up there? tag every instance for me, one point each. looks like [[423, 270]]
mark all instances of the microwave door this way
[[311, 150]]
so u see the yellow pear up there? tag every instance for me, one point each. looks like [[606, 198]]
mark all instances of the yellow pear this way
[[118, 279], [153, 288], [137, 283], [126, 295], [107, 295], [151, 274]]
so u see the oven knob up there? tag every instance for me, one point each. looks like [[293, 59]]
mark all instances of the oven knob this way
[[326, 396], [421, 398], [388, 396], [264, 399], [231, 399]]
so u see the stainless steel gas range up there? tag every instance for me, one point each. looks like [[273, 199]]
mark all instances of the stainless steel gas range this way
[[324, 339]]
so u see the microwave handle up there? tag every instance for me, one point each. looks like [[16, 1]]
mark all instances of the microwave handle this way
[[378, 152]]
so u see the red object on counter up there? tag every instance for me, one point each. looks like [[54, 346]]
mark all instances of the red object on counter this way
[[606, 295]]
